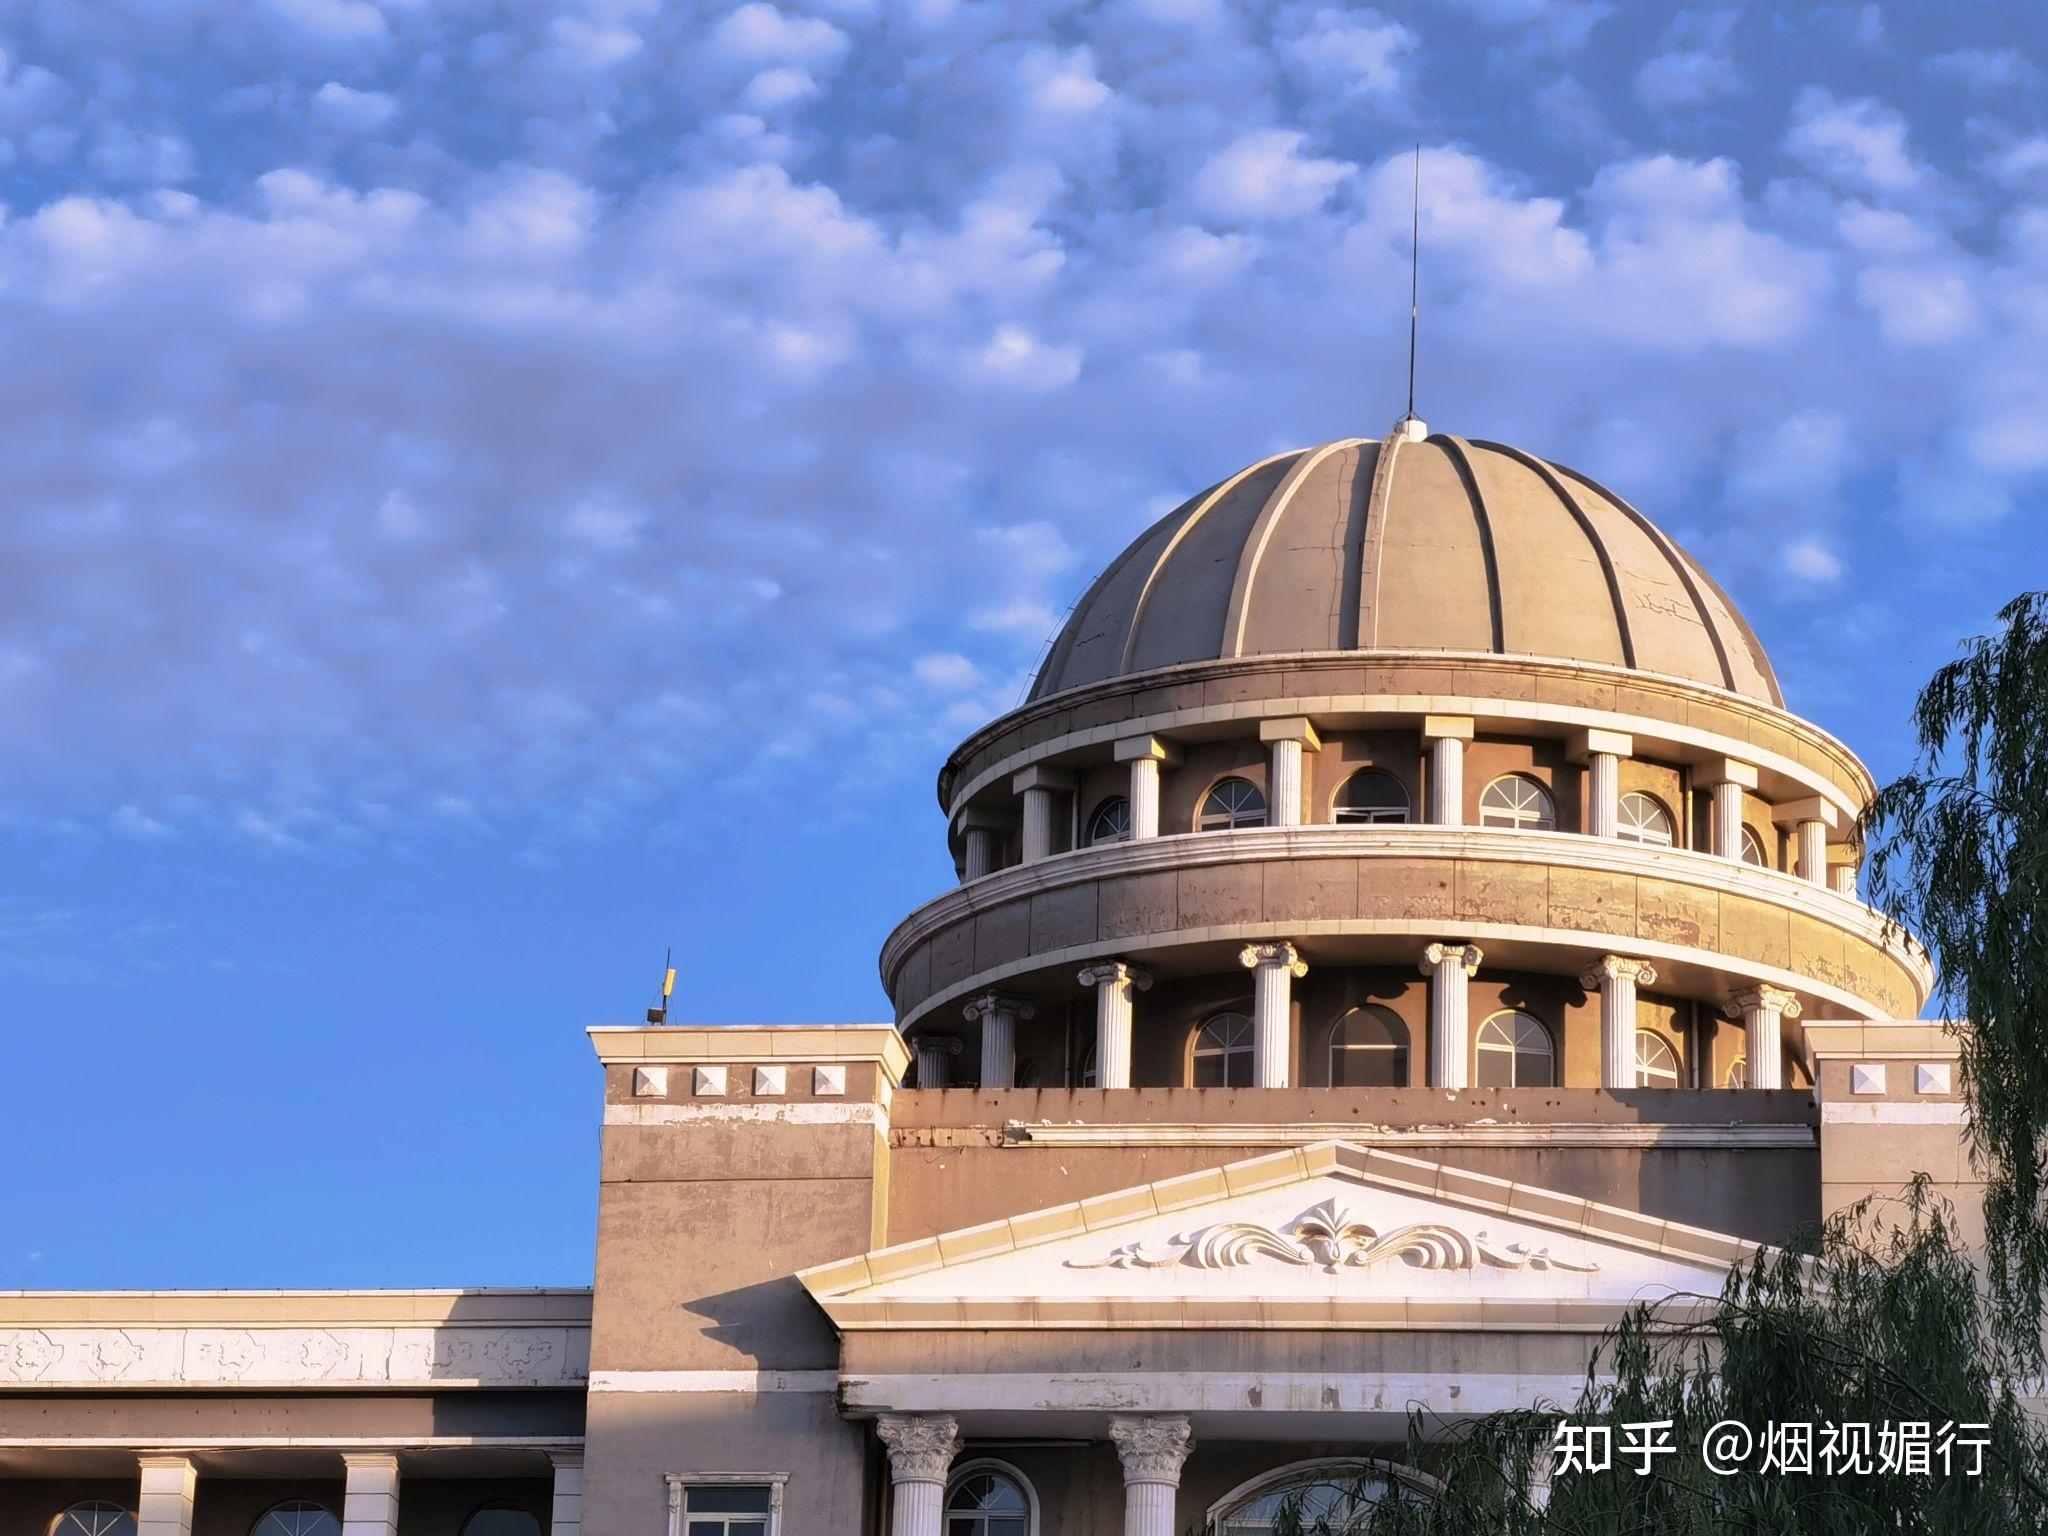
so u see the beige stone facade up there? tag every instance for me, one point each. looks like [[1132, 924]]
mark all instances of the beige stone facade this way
[[1403, 927]]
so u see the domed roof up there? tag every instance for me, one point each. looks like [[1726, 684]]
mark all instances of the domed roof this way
[[1412, 543]]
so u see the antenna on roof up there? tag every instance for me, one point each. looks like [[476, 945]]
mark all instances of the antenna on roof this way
[[1411, 426]]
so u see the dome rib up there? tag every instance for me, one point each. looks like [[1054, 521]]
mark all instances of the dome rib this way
[[1460, 453], [1232, 640], [1366, 632], [1548, 475], [1207, 504]]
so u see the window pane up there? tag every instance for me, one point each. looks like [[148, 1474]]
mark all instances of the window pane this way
[[1496, 1069], [501, 1522], [1373, 1066], [716, 1500], [1532, 1070]]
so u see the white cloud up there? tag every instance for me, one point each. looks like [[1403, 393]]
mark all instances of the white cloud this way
[[782, 86], [1348, 55], [1696, 66], [352, 111], [947, 672], [758, 33], [332, 21], [1014, 356], [1862, 144], [1265, 175], [1812, 561]]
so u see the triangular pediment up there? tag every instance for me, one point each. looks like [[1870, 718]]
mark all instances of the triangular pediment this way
[[1326, 1236]]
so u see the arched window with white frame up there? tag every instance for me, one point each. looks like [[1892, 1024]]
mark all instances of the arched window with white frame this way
[[1371, 795], [95, 1517], [1232, 802], [1369, 1049], [1222, 1053], [296, 1517], [1656, 1062], [1738, 1073], [1643, 820], [1753, 849], [986, 1497], [1335, 1491], [1519, 803], [1110, 822], [1514, 1050]]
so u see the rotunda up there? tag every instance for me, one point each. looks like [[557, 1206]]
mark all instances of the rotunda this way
[[1398, 763]]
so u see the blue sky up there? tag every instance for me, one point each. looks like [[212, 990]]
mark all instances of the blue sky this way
[[494, 490]]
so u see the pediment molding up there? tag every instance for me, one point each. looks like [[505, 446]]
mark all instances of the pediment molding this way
[[1333, 1235]]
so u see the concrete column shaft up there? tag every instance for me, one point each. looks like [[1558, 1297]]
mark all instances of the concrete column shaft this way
[[1144, 797], [369, 1498], [931, 1062], [1449, 968], [918, 1509], [1273, 968], [163, 1505], [998, 1048], [1148, 1509], [1285, 796], [1813, 851], [1447, 781], [1114, 983], [1038, 807], [980, 853], [1763, 1048], [1603, 794], [1728, 820], [1842, 878], [1617, 978]]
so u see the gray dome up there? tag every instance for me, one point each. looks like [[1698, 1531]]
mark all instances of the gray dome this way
[[1425, 544]]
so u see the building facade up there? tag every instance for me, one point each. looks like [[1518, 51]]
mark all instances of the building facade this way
[[1403, 927]]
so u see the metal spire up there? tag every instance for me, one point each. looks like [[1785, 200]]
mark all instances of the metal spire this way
[[1411, 426]]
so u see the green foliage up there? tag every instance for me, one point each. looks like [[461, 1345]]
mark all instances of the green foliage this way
[[1959, 857], [1886, 1325]]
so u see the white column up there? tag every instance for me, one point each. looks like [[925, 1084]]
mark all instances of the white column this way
[[1287, 740], [1760, 1009], [1602, 752], [369, 1497], [999, 1013], [1729, 780], [1810, 821], [1153, 1450], [1113, 981], [921, 1447], [1813, 851], [1040, 789], [1616, 977], [1145, 754], [1842, 879], [565, 1511], [1450, 968], [978, 845], [932, 1053], [164, 1505], [1274, 968], [1444, 737]]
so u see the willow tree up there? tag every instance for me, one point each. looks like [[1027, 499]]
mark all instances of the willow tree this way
[[1890, 1320], [1958, 855]]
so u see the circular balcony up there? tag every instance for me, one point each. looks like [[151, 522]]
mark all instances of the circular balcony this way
[[1375, 895]]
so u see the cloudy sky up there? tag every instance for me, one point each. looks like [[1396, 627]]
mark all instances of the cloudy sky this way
[[492, 489]]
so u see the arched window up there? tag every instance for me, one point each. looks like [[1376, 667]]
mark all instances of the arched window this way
[[296, 1518], [1656, 1062], [1223, 1053], [1319, 1495], [1753, 849], [1111, 822], [1026, 1075], [1643, 820], [1515, 1052], [1738, 1072], [95, 1517], [1233, 803], [1084, 1077], [1369, 1049], [1515, 800], [990, 1498], [1372, 794], [501, 1520]]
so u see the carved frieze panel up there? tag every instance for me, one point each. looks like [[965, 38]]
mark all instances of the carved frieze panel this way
[[294, 1356]]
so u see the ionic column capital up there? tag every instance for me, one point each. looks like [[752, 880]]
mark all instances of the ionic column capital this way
[[1000, 1002], [1115, 973], [921, 1445], [945, 1045], [1618, 968], [1467, 956], [1785, 1005], [1280, 956], [1153, 1449]]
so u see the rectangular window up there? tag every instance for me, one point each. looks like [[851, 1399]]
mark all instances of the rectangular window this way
[[725, 1504]]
